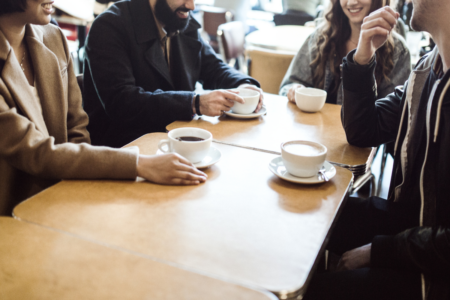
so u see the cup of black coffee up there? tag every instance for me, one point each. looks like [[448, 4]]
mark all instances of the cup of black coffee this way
[[191, 143]]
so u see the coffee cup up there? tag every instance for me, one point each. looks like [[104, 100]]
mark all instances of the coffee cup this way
[[310, 99], [303, 158], [251, 99], [191, 143]]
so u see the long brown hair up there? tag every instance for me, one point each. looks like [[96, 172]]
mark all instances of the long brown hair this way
[[333, 34]]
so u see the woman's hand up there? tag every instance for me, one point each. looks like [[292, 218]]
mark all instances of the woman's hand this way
[[375, 31], [291, 93], [169, 169]]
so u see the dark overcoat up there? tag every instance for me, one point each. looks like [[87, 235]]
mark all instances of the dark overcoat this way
[[129, 90]]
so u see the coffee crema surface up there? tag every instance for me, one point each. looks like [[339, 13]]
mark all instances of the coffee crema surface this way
[[303, 149], [189, 139]]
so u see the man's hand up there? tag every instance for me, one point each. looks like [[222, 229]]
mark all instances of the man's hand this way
[[216, 102], [355, 259], [375, 31], [255, 88], [169, 169], [291, 93]]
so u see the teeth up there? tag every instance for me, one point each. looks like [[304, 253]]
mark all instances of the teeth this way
[[47, 6], [354, 10]]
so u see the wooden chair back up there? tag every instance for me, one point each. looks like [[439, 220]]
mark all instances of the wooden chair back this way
[[268, 67]]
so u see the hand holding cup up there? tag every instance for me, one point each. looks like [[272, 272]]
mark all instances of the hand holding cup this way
[[291, 92], [216, 102]]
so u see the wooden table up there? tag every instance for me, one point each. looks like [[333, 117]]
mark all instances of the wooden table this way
[[39, 263], [243, 225], [285, 121], [286, 38]]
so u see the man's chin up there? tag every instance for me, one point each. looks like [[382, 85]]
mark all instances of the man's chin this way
[[180, 25]]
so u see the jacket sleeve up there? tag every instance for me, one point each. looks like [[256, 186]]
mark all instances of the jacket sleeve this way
[[368, 122], [299, 71], [215, 74], [422, 249], [29, 150], [401, 70], [77, 119], [114, 81]]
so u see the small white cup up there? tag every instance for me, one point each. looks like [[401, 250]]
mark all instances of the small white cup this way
[[193, 151], [310, 99], [251, 99], [303, 158]]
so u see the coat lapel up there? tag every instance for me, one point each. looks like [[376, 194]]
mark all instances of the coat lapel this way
[[185, 61], [49, 84], [155, 58], [146, 32], [17, 84]]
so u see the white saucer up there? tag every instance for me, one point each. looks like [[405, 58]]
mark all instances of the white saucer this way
[[262, 112], [277, 167], [211, 158]]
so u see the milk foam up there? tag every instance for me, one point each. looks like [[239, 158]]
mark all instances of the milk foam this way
[[303, 149]]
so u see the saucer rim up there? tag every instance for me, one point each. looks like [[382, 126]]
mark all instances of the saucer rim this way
[[302, 180], [247, 116], [199, 165]]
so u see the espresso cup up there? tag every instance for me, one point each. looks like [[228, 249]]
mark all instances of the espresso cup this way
[[303, 158], [191, 143], [251, 99], [310, 99]]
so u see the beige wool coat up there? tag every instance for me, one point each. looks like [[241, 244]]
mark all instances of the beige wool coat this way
[[38, 149]]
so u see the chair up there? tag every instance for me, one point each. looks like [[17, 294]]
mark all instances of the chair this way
[[268, 67], [80, 78], [231, 38], [212, 18]]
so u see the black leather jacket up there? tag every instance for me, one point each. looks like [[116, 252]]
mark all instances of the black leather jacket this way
[[417, 117]]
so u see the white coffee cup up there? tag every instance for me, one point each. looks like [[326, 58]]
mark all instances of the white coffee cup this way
[[303, 158], [194, 151], [310, 99], [251, 99]]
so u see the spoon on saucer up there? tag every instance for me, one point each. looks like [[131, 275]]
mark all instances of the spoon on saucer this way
[[324, 175]]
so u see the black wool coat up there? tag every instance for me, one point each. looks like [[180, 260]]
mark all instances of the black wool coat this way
[[129, 90]]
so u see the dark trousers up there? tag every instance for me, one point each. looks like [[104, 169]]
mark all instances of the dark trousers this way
[[358, 223]]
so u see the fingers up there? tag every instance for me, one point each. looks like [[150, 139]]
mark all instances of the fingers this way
[[187, 166], [183, 175], [291, 93], [368, 34], [183, 160], [260, 104], [179, 181], [385, 12], [190, 169], [378, 22], [228, 95]]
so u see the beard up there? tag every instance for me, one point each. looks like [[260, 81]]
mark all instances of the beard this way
[[169, 18]]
